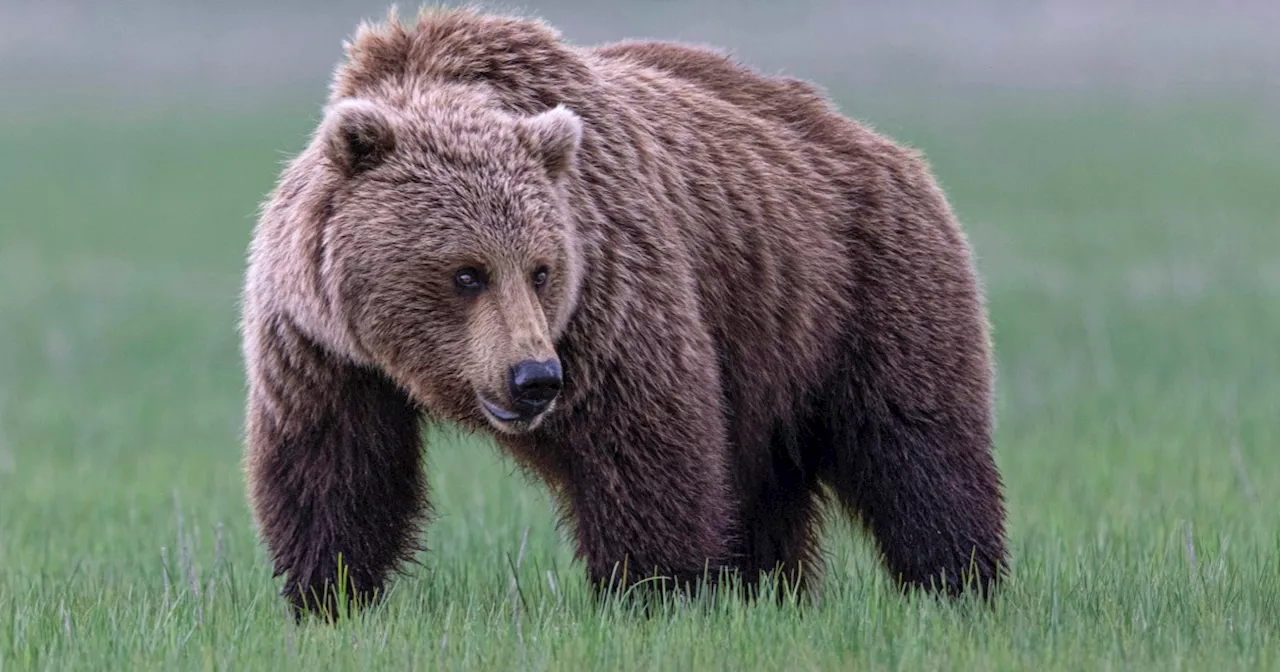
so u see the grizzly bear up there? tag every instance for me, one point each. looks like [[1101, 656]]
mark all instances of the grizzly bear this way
[[695, 300]]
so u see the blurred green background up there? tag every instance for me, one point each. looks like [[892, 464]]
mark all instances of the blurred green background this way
[[1117, 166]]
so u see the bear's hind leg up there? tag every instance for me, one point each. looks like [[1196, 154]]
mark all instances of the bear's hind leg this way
[[925, 485]]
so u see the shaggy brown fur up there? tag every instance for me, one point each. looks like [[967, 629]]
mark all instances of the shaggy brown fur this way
[[748, 295]]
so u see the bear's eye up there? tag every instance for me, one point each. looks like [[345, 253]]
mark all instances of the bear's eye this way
[[469, 279], [540, 276]]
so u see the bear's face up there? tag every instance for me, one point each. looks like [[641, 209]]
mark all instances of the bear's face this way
[[456, 260]]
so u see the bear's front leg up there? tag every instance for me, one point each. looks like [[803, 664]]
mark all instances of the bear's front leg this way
[[648, 481], [334, 469]]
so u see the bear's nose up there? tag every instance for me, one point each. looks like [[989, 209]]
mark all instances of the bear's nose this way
[[534, 385]]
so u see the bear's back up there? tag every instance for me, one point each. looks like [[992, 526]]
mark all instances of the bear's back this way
[[795, 103]]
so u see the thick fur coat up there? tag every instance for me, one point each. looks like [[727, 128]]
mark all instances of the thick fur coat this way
[[739, 300]]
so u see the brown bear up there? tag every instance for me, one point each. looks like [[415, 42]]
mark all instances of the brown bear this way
[[693, 299]]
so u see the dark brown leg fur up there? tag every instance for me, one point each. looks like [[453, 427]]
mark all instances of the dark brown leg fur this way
[[779, 519], [334, 468], [925, 485], [648, 487], [655, 509]]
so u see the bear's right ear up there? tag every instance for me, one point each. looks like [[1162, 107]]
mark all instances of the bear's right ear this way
[[358, 135]]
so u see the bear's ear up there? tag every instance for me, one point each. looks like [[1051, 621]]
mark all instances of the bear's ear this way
[[554, 136], [358, 135]]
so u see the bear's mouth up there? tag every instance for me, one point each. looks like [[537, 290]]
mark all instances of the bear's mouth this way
[[499, 413], [509, 421]]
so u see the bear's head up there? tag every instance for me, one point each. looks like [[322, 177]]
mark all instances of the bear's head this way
[[449, 252]]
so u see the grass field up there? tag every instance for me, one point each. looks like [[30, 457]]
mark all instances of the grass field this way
[[1132, 256]]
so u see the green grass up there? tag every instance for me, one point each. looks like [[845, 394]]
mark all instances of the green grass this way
[[1132, 255]]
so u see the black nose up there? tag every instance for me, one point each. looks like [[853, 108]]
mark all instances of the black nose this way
[[534, 385]]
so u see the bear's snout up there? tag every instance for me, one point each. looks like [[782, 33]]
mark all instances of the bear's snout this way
[[534, 385]]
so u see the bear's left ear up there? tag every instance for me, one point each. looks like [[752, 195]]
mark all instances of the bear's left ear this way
[[554, 136]]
